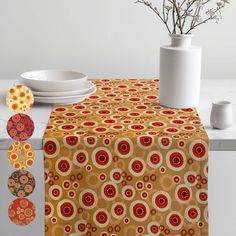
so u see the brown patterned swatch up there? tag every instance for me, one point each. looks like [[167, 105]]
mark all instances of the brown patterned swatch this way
[[21, 183]]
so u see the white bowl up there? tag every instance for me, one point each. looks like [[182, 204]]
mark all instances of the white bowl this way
[[64, 99], [89, 86], [54, 80]]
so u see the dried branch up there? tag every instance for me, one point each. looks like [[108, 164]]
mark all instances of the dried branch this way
[[155, 11], [186, 14], [204, 21]]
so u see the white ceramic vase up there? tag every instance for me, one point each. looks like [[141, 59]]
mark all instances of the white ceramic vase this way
[[180, 73]]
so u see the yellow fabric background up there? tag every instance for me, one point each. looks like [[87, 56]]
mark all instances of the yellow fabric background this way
[[125, 110]]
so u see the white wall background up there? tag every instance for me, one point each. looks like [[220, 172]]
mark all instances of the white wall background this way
[[102, 38]]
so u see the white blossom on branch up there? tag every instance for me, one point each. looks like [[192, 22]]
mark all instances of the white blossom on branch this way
[[183, 16]]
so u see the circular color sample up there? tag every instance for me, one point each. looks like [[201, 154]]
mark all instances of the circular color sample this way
[[21, 183], [20, 127], [21, 155], [20, 98], [21, 211]]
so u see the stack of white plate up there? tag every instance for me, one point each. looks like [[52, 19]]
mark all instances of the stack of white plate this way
[[58, 86]]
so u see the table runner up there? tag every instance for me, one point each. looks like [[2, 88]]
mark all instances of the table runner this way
[[120, 164]]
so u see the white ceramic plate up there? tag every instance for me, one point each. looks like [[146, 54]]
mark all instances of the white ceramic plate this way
[[64, 99], [87, 88], [54, 80], [59, 101]]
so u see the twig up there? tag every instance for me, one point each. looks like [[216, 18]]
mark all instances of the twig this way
[[204, 21], [178, 14], [155, 11], [163, 9], [174, 22], [181, 10]]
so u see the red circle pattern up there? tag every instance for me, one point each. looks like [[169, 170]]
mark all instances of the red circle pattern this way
[[20, 127], [119, 164]]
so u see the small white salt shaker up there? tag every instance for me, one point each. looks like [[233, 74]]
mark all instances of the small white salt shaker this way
[[221, 115]]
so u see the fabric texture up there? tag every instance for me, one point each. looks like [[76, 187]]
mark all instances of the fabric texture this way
[[120, 164]]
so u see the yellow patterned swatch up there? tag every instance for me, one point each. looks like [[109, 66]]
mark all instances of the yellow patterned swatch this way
[[21, 155], [20, 99]]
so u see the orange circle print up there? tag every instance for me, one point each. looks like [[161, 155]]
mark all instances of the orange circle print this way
[[21, 211], [20, 99], [21, 155]]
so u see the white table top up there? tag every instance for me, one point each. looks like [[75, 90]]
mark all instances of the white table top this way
[[211, 90]]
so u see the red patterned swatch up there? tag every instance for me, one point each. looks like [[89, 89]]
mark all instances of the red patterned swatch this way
[[21, 211], [20, 127]]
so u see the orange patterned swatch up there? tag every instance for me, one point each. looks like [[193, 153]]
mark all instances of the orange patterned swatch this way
[[20, 99], [21, 211], [120, 164], [21, 155], [21, 183]]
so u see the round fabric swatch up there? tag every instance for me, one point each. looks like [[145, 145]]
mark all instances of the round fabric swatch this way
[[21, 155], [21, 183], [20, 99], [21, 211], [20, 127]]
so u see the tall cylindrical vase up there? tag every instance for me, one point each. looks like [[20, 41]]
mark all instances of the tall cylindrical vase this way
[[180, 73]]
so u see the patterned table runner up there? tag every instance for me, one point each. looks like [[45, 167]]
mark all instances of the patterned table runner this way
[[120, 164]]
